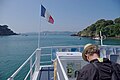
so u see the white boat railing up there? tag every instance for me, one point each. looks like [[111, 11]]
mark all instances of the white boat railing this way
[[61, 74], [67, 65], [36, 62], [35, 59], [32, 64], [107, 50]]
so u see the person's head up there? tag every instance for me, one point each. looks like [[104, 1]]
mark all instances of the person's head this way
[[90, 52]]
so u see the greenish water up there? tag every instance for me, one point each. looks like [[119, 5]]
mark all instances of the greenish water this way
[[14, 50]]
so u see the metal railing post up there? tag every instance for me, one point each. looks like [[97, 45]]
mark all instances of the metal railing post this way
[[37, 65], [31, 68], [51, 54], [11, 78]]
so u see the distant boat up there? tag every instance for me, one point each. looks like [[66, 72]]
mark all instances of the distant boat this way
[[99, 37], [96, 38]]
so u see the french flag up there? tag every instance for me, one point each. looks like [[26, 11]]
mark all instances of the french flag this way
[[45, 13]]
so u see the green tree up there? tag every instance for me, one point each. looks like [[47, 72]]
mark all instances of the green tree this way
[[117, 20], [109, 22]]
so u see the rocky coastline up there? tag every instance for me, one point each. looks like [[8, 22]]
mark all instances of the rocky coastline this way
[[5, 31]]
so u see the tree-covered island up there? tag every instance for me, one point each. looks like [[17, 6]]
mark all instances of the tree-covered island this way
[[5, 31], [109, 28]]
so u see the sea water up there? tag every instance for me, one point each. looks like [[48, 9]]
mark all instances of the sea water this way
[[14, 50]]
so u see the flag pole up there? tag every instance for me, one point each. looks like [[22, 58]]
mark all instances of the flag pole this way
[[45, 14], [40, 25]]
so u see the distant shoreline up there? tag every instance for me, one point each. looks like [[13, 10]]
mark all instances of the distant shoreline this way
[[91, 37], [113, 38]]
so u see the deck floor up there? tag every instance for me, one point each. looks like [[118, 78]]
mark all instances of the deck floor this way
[[47, 73]]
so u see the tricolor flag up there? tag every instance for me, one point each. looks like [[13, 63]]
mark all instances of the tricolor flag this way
[[44, 13]]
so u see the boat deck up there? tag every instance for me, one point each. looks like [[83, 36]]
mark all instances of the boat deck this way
[[68, 58]]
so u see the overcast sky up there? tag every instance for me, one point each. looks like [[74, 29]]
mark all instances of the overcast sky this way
[[69, 15]]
